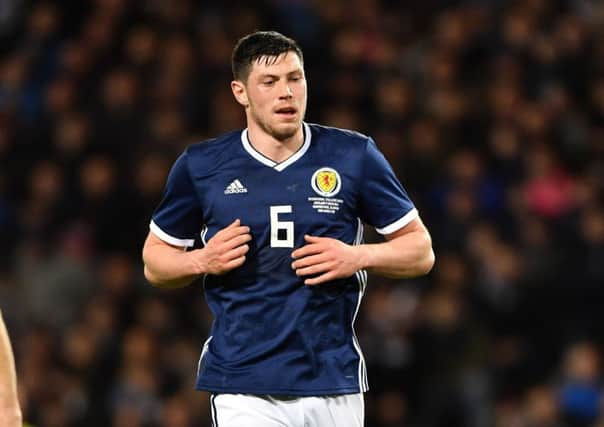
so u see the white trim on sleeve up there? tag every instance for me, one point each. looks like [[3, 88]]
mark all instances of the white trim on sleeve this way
[[399, 223], [169, 239]]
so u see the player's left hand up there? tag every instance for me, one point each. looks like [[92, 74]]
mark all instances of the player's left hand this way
[[327, 259]]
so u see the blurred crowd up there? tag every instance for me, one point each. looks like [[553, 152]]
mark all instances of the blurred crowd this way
[[491, 112]]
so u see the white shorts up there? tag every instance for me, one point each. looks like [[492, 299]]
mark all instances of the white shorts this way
[[246, 410]]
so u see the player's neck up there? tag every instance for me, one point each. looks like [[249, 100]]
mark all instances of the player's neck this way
[[273, 148]]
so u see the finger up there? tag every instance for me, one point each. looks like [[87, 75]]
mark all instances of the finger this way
[[235, 223], [312, 239], [309, 260], [314, 269], [232, 225], [236, 241], [325, 277], [306, 250], [235, 253], [228, 233], [237, 262]]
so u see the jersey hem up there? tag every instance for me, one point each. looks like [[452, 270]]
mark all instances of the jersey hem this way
[[287, 392]]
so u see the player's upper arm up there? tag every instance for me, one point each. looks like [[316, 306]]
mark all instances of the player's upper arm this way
[[155, 249], [414, 240], [165, 265]]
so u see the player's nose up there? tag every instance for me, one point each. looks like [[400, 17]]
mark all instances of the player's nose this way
[[287, 92]]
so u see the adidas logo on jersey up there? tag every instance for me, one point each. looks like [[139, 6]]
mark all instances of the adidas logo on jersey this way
[[235, 187]]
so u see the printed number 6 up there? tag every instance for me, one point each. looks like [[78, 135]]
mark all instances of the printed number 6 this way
[[288, 226]]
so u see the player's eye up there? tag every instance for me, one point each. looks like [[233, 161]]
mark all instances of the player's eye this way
[[268, 82]]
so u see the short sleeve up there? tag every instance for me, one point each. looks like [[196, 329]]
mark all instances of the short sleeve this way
[[178, 218], [384, 202]]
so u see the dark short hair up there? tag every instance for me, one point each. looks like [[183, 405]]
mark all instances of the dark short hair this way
[[260, 44]]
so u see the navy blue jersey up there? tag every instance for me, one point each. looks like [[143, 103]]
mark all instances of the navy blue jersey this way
[[271, 333]]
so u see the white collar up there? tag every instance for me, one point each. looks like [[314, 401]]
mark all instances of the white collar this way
[[268, 162]]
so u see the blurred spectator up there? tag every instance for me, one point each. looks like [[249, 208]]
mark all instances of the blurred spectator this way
[[541, 408], [581, 388]]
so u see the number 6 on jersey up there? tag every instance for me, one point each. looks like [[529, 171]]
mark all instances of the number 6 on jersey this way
[[287, 235]]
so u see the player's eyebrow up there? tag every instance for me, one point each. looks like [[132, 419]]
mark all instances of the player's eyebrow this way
[[277, 76]]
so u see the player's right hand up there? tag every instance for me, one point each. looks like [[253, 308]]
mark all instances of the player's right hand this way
[[224, 251]]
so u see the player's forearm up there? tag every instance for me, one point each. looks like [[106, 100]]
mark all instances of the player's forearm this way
[[167, 267], [9, 402], [10, 416], [409, 255]]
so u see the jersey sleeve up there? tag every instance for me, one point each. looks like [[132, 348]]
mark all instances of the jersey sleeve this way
[[384, 202], [178, 218]]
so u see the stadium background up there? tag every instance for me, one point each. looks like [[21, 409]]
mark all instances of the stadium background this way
[[491, 112]]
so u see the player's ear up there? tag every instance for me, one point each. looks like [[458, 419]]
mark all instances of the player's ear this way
[[240, 93]]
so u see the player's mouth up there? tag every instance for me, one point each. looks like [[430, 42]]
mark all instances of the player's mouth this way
[[286, 112]]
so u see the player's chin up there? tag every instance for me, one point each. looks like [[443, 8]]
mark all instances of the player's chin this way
[[283, 131]]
